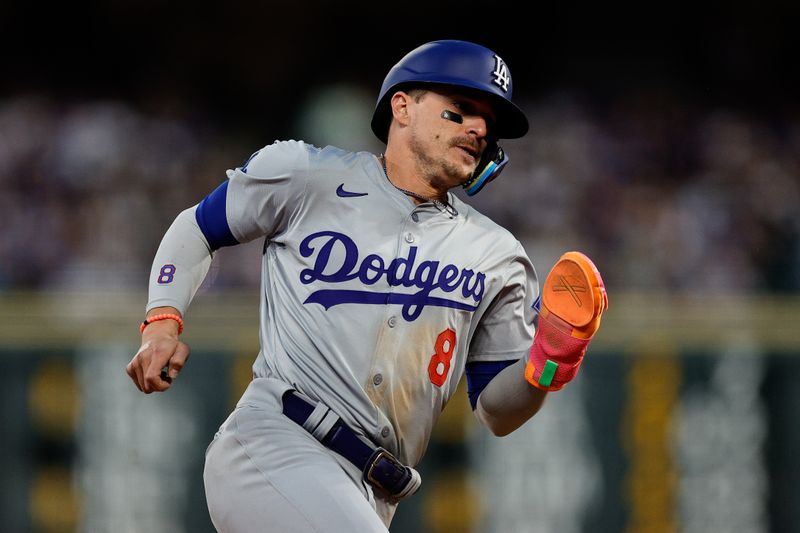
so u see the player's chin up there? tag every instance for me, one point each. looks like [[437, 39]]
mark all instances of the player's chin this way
[[465, 161], [459, 174]]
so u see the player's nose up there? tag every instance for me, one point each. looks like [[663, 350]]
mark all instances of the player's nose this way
[[477, 126]]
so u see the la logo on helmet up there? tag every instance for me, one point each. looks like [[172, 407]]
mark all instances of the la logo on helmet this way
[[501, 75]]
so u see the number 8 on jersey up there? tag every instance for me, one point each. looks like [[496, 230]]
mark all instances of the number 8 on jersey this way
[[445, 347]]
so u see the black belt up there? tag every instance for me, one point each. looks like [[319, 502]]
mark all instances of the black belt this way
[[379, 467]]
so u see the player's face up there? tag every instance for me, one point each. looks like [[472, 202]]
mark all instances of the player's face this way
[[449, 145]]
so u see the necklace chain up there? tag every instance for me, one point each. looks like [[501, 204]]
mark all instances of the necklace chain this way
[[443, 206]]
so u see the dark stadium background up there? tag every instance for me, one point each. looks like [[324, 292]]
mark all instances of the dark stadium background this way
[[251, 63]]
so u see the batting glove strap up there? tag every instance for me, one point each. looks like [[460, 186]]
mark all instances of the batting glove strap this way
[[555, 356]]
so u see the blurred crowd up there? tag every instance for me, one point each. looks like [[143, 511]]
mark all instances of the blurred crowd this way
[[663, 194]]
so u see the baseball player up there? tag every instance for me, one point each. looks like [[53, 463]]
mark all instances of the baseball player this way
[[380, 291]]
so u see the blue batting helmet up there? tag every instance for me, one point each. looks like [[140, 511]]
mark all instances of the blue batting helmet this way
[[459, 64]]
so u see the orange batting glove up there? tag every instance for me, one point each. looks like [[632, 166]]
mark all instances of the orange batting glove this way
[[573, 301]]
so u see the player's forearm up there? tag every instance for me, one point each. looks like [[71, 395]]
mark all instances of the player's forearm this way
[[180, 265], [508, 401]]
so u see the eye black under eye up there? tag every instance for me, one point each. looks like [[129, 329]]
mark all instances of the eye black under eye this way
[[453, 116]]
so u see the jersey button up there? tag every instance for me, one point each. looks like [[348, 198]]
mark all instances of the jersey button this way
[[385, 432], [392, 321], [409, 238], [377, 379], [415, 217]]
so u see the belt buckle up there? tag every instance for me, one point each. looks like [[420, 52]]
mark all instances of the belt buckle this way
[[379, 454]]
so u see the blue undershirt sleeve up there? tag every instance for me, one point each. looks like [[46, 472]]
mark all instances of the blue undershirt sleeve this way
[[213, 221], [479, 375]]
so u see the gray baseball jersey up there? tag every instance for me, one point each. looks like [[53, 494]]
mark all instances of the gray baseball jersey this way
[[371, 304]]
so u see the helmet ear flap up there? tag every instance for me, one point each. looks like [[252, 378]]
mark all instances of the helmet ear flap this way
[[492, 162]]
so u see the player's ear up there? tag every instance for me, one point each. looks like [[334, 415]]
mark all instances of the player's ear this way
[[399, 103]]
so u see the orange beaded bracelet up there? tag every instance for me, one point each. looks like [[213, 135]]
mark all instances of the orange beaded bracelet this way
[[155, 318]]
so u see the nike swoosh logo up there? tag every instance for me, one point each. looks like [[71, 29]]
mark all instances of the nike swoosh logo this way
[[340, 192]]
